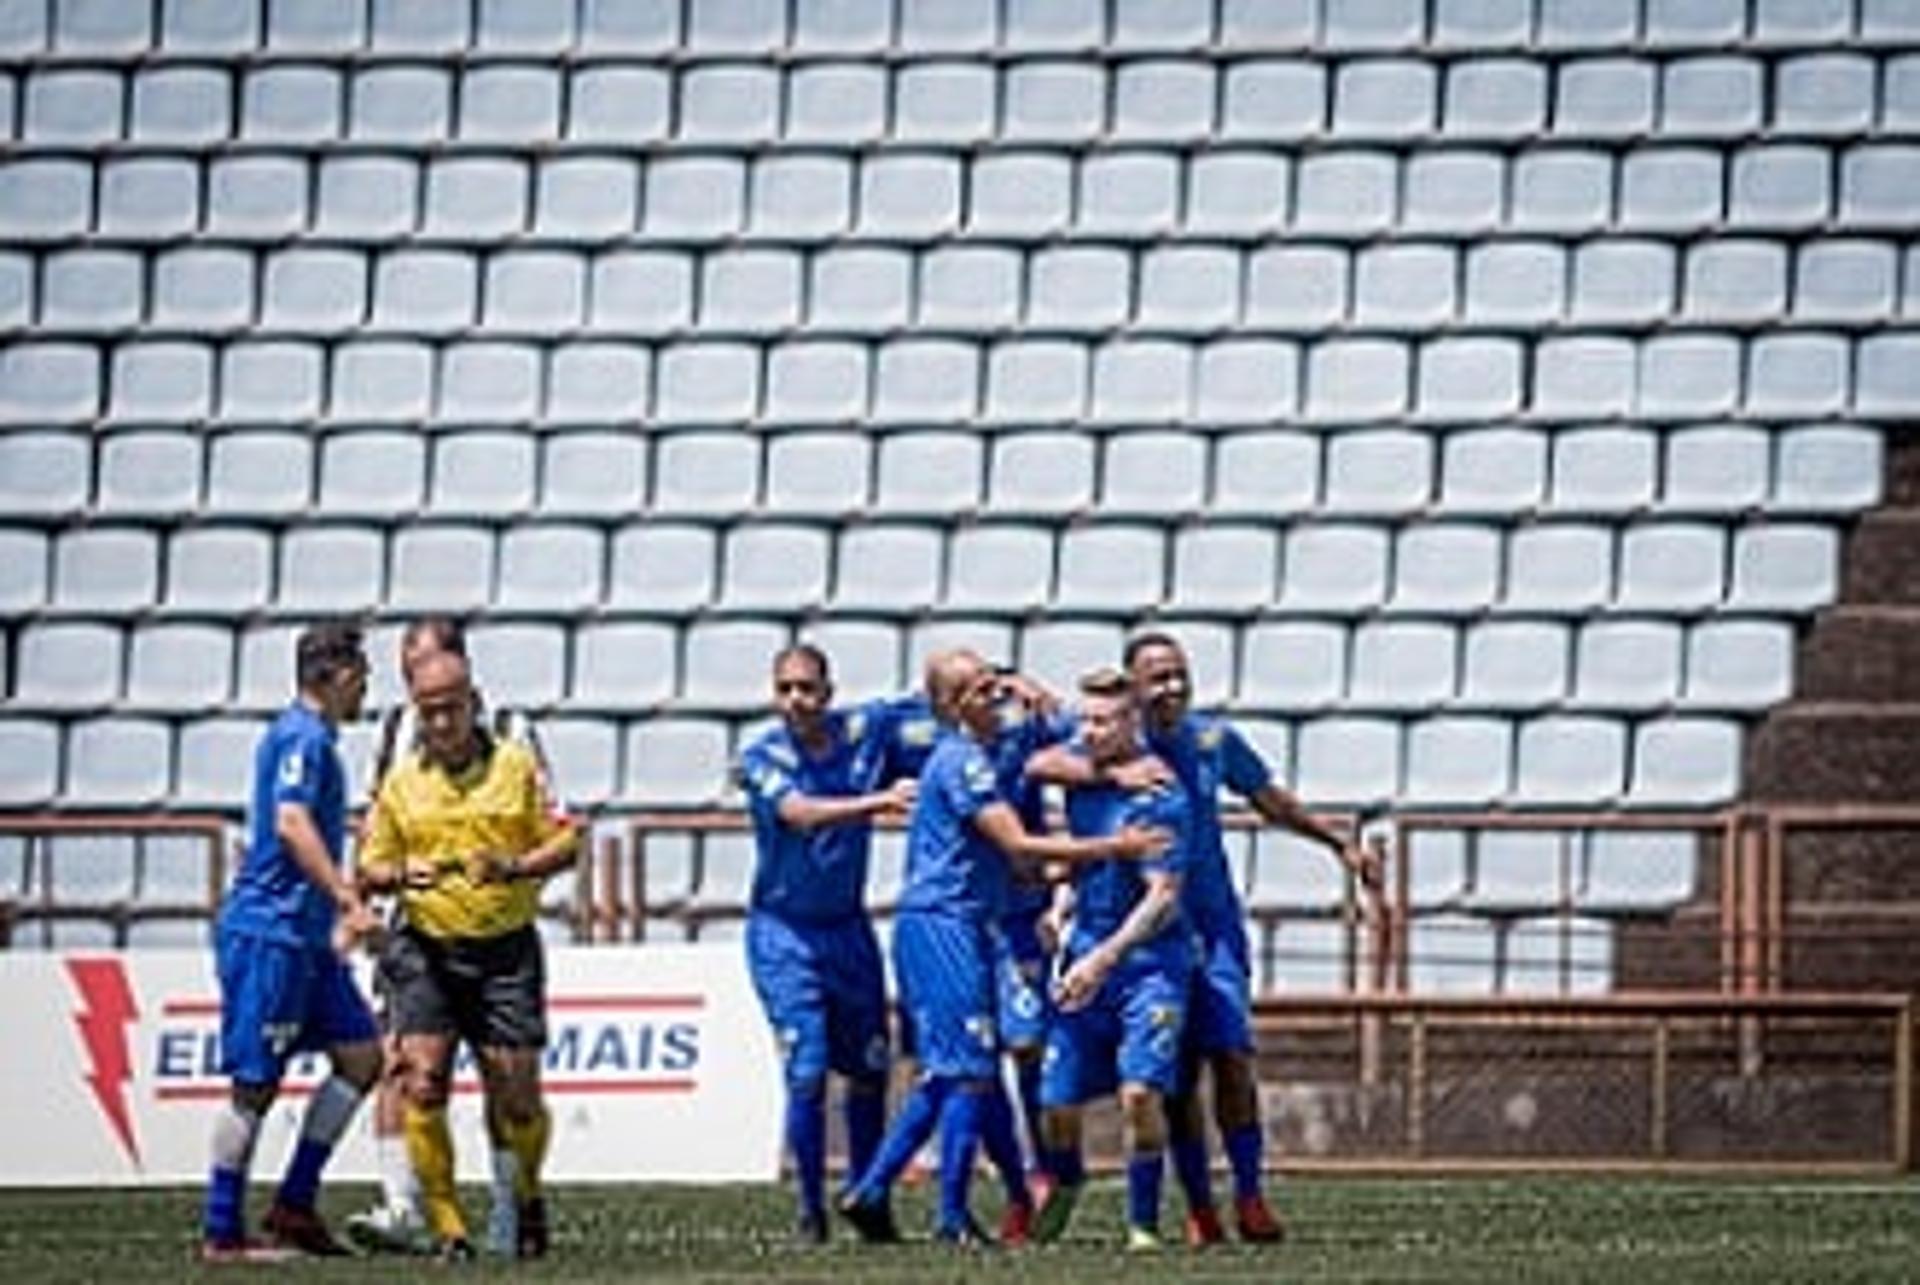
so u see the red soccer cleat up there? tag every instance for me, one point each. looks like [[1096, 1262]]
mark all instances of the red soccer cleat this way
[[1258, 1224], [1203, 1228], [302, 1230], [1016, 1226]]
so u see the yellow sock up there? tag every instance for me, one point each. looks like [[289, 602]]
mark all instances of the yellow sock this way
[[528, 1141], [430, 1147]]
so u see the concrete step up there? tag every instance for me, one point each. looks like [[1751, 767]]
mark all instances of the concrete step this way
[[1882, 559], [1861, 653], [1858, 751]]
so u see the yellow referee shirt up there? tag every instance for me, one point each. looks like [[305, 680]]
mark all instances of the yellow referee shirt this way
[[498, 804]]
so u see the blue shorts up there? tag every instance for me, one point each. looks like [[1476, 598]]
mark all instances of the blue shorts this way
[[1220, 1007], [1128, 1034], [824, 993], [1025, 1008], [278, 1000], [945, 966]]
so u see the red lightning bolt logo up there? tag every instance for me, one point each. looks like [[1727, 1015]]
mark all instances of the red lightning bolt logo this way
[[106, 1010]]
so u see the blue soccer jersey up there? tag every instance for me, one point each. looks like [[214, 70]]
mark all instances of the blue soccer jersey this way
[[1106, 892], [951, 868], [821, 875], [271, 897], [1208, 754]]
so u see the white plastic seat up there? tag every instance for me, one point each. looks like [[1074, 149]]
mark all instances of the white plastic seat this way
[[726, 877], [1289, 874], [1393, 24], [510, 104], [593, 474], [1472, 378], [523, 26], [728, 103], [1048, 473], [1378, 472], [106, 570], [1069, 25], [374, 473], [929, 473], [944, 103], [1834, 468], [866, 289], [1236, 193], [1561, 191], [1058, 653], [1603, 470], [1786, 567], [525, 665], [1844, 280], [23, 570], [992, 639], [550, 567], [420, 26], [641, 292], [707, 383], [482, 198], [44, 198], [209, 26], [1020, 194], [1348, 761], [1623, 281], [1446, 568], [313, 289], [260, 475], [72, 106], [695, 197], [1513, 664], [926, 381], [619, 102], [909, 196], [865, 654], [1671, 567], [1711, 97], [485, 383], [537, 291], [292, 26], [1568, 760], [584, 753], [1112, 568], [67, 665], [149, 474], [625, 664], [118, 762], [1492, 471], [179, 667], [143, 196], [1627, 664], [1272, 474], [1495, 98], [1685, 762], [1224, 568], [750, 290], [1189, 288], [1796, 22], [1671, 189], [1798, 374], [1453, 192], [29, 761], [967, 287], [1604, 98], [401, 104], [1079, 288], [1739, 664], [888, 567], [331, 569], [1402, 665], [821, 382], [727, 662], [1404, 286], [1635, 871], [1559, 568], [847, 27], [1047, 101], [675, 761], [1334, 568], [1457, 761], [836, 104], [161, 382], [91, 290], [1887, 375], [1583, 376], [1267, 98], [214, 758], [1450, 954], [1436, 861], [1550, 955], [1346, 193], [821, 474], [1002, 567], [1689, 375], [441, 568], [1790, 185], [45, 474], [221, 569], [1583, 24], [1036, 381], [1297, 287], [435, 291], [1293, 665], [1717, 468], [800, 197], [774, 566], [1515, 282], [1384, 98], [1163, 100], [710, 473], [49, 383], [264, 677], [1153, 472], [1738, 280], [1351, 380], [380, 381], [586, 198], [1142, 381], [1824, 93], [735, 26]]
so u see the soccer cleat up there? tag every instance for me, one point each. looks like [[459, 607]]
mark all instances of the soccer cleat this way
[[967, 1235], [302, 1230], [1016, 1226], [1257, 1223], [388, 1229], [455, 1249], [811, 1229], [872, 1220], [534, 1236], [1203, 1227], [243, 1251], [1143, 1240], [1050, 1220]]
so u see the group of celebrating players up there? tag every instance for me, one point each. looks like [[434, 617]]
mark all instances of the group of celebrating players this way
[[1108, 956]]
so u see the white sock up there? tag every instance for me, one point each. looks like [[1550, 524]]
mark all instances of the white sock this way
[[329, 1110], [234, 1133], [398, 1184]]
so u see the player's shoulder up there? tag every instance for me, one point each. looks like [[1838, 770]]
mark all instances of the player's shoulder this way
[[775, 746], [1208, 733]]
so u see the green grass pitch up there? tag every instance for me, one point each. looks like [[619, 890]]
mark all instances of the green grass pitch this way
[[1534, 1229]]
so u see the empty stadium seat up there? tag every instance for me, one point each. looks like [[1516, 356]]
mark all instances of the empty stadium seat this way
[[1348, 761], [67, 666], [1450, 954], [675, 761], [774, 567], [1569, 760], [1685, 762], [1516, 664], [550, 567], [117, 763], [1457, 761], [1627, 664], [727, 662], [1638, 870], [1552, 955], [1222, 568], [1293, 665], [179, 667], [887, 567], [1436, 863], [1402, 665], [663, 567], [620, 664], [215, 759], [1522, 869]]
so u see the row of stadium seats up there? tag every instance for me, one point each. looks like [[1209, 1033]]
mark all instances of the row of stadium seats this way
[[1566, 760], [1628, 663], [913, 196], [1094, 290], [611, 475], [931, 380], [1052, 100], [1110, 569], [94, 29]]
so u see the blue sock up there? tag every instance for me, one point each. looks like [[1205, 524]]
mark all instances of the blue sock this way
[[807, 1139], [1003, 1145], [865, 1109], [1027, 1076], [1243, 1153], [1195, 1171], [1065, 1165], [226, 1192], [1143, 1190], [960, 1125], [302, 1183], [908, 1133]]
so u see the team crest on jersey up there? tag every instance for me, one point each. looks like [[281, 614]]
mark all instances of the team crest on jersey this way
[[292, 770], [917, 732], [1208, 738], [765, 778], [979, 776]]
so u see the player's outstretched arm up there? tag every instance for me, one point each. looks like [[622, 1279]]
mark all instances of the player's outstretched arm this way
[[815, 812], [1000, 825], [1069, 768], [1281, 807]]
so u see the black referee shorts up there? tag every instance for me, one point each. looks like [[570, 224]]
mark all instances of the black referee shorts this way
[[489, 991]]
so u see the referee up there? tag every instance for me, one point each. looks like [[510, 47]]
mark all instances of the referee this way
[[465, 830]]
